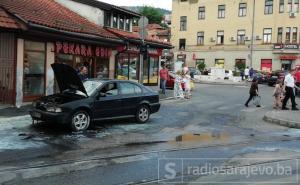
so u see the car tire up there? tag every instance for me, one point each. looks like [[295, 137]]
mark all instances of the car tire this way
[[143, 114], [80, 121]]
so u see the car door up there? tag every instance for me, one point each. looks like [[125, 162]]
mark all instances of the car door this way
[[108, 102], [131, 97]]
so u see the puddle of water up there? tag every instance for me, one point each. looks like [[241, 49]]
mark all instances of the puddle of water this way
[[205, 137]]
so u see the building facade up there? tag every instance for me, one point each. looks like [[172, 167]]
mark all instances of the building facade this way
[[37, 33], [263, 34]]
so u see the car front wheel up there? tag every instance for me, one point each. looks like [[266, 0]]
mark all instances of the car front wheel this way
[[80, 121], [143, 114]]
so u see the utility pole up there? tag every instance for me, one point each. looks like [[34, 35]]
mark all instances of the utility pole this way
[[143, 22], [252, 34]]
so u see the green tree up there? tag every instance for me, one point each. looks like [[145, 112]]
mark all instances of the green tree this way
[[154, 15]]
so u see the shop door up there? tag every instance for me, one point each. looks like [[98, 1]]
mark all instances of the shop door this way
[[286, 64], [7, 74], [266, 65]]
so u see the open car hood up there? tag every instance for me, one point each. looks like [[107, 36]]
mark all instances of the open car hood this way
[[67, 78]]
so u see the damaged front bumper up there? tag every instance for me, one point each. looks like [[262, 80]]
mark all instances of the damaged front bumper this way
[[53, 117]]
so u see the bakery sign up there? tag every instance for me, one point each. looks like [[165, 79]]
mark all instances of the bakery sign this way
[[70, 48]]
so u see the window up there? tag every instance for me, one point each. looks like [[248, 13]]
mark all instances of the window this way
[[295, 34], [201, 13], [127, 24], [115, 21], [267, 36], [121, 23], [288, 35], [242, 9], [268, 6], [296, 6], [129, 88], [221, 11], [183, 20], [34, 68], [241, 37], [110, 89], [200, 38], [107, 19], [281, 6], [183, 0], [220, 37], [219, 63], [240, 63], [279, 35], [182, 44], [290, 5]]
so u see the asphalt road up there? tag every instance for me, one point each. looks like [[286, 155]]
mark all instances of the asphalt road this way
[[213, 128]]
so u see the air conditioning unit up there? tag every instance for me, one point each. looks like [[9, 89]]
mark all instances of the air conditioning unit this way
[[292, 14], [258, 37], [212, 39], [232, 39], [247, 39]]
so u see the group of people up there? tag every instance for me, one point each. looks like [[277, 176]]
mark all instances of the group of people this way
[[248, 73], [182, 82], [284, 90]]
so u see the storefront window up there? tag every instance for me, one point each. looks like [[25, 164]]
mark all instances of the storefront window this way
[[153, 70], [34, 68], [145, 71], [102, 68], [122, 66], [134, 67], [219, 63]]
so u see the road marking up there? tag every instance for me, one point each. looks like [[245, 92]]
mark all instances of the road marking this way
[[130, 159]]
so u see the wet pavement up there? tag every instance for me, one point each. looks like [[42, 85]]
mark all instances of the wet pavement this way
[[214, 124]]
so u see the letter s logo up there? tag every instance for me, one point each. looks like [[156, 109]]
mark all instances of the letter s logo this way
[[170, 170]]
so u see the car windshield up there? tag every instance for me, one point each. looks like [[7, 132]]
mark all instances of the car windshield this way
[[90, 86]]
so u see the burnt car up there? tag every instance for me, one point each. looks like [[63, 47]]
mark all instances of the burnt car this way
[[79, 103]]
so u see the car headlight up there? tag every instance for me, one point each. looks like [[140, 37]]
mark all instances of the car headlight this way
[[54, 109]]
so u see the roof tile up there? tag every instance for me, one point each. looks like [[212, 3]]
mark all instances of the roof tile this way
[[51, 14], [7, 21]]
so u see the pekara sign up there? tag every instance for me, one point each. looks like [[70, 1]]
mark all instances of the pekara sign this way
[[70, 48]]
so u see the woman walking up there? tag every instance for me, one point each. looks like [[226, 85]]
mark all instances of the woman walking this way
[[187, 86], [278, 94], [178, 92], [253, 92]]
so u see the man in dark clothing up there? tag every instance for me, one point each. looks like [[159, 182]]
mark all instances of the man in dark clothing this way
[[83, 73], [253, 92], [289, 83]]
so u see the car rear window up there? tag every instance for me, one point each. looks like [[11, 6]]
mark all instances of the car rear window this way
[[129, 88]]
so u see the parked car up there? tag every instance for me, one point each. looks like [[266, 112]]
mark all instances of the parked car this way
[[79, 103], [274, 76], [261, 77]]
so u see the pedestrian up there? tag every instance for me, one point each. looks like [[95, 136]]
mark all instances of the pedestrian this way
[[187, 86], [297, 78], [289, 83], [278, 94], [83, 73], [242, 75], [164, 75], [253, 92], [251, 72], [246, 73], [185, 69], [178, 92]]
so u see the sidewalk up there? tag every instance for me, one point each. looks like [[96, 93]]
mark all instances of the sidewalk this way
[[6, 112], [286, 118], [169, 93], [221, 82]]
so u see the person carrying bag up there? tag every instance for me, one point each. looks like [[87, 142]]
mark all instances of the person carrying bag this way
[[254, 94]]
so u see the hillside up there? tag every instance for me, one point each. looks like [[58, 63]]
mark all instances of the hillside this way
[[138, 8]]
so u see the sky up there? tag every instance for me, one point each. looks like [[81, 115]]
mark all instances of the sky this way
[[166, 4]]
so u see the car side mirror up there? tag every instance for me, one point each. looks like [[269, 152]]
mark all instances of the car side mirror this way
[[101, 94]]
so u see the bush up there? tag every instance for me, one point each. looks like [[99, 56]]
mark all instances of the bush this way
[[240, 66], [201, 66]]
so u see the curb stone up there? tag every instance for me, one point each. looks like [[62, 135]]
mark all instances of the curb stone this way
[[282, 122]]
